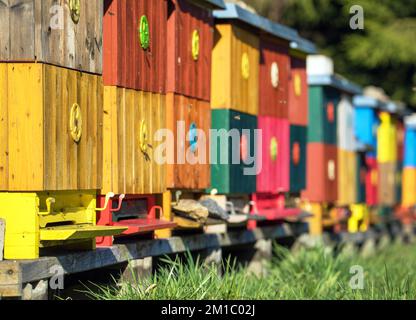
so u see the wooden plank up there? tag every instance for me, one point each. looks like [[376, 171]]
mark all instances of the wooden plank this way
[[10, 279], [4, 127], [36, 270], [4, 25], [2, 234]]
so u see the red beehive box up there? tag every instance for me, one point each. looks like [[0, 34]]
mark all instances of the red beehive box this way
[[274, 77], [135, 44], [298, 92], [321, 178], [371, 181], [190, 39], [274, 176]]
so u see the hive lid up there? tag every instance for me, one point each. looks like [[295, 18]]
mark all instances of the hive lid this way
[[235, 12], [362, 101], [319, 65], [303, 45], [334, 81], [410, 121]]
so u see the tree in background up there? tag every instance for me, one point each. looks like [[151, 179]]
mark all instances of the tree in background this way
[[383, 54]]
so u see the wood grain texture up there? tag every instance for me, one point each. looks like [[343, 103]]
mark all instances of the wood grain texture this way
[[185, 75], [40, 152], [229, 89], [274, 101], [127, 169], [43, 30], [387, 184], [189, 111], [126, 63]]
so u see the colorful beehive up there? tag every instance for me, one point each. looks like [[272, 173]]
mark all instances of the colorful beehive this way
[[387, 173], [387, 138], [135, 44], [360, 176], [347, 174], [65, 33], [297, 154], [189, 53], [52, 148], [235, 61], [233, 159], [372, 181]]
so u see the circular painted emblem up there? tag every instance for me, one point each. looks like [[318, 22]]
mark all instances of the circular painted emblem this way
[[245, 66], [296, 153], [330, 112], [274, 149], [331, 170], [297, 83], [193, 137], [75, 9], [144, 33], [75, 122], [195, 45], [274, 73]]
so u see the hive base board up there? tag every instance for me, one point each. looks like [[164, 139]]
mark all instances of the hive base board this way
[[136, 213]]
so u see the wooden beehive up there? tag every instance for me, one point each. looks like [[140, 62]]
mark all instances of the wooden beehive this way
[[298, 92], [235, 69], [322, 172], [297, 154], [323, 101], [190, 39], [274, 175], [409, 187], [372, 181], [347, 184], [274, 77], [228, 176], [135, 44], [190, 121], [51, 132], [130, 162], [346, 124], [387, 138], [65, 33], [360, 177]]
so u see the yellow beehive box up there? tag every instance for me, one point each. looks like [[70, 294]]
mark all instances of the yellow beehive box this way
[[50, 129], [387, 139], [347, 175], [235, 70], [131, 119], [409, 187]]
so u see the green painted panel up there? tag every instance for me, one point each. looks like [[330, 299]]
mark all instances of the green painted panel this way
[[298, 135], [360, 178], [323, 102], [229, 177]]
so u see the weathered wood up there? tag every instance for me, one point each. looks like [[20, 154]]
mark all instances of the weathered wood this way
[[43, 30], [2, 230], [39, 152], [10, 279], [71, 263], [137, 270]]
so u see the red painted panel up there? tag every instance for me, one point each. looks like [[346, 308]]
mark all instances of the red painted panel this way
[[321, 184], [126, 63], [298, 93], [186, 75], [274, 78], [371, 181], [400, 141], [274, 176]]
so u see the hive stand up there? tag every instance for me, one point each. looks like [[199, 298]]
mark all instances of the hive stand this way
[[127, 212]]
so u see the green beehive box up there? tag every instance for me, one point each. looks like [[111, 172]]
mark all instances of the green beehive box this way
[[229, 178], [298, 136], [323, 101]]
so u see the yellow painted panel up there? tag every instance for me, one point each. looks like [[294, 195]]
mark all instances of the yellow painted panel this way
[[360, 218], [4, 149], [316, 221], [347, 175], [25, 115], [78, 232], [129, 158], [409, 187], [42, 154], [387, 139], [235, 70]]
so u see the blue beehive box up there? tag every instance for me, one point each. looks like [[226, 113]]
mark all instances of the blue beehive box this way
[[410, 142]]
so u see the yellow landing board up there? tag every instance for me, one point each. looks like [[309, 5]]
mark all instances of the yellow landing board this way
[[78, 232]]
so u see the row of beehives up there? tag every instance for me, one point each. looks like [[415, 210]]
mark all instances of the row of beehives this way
[[76, 125]]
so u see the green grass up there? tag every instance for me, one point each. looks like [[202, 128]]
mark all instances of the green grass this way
[[315, 273]]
